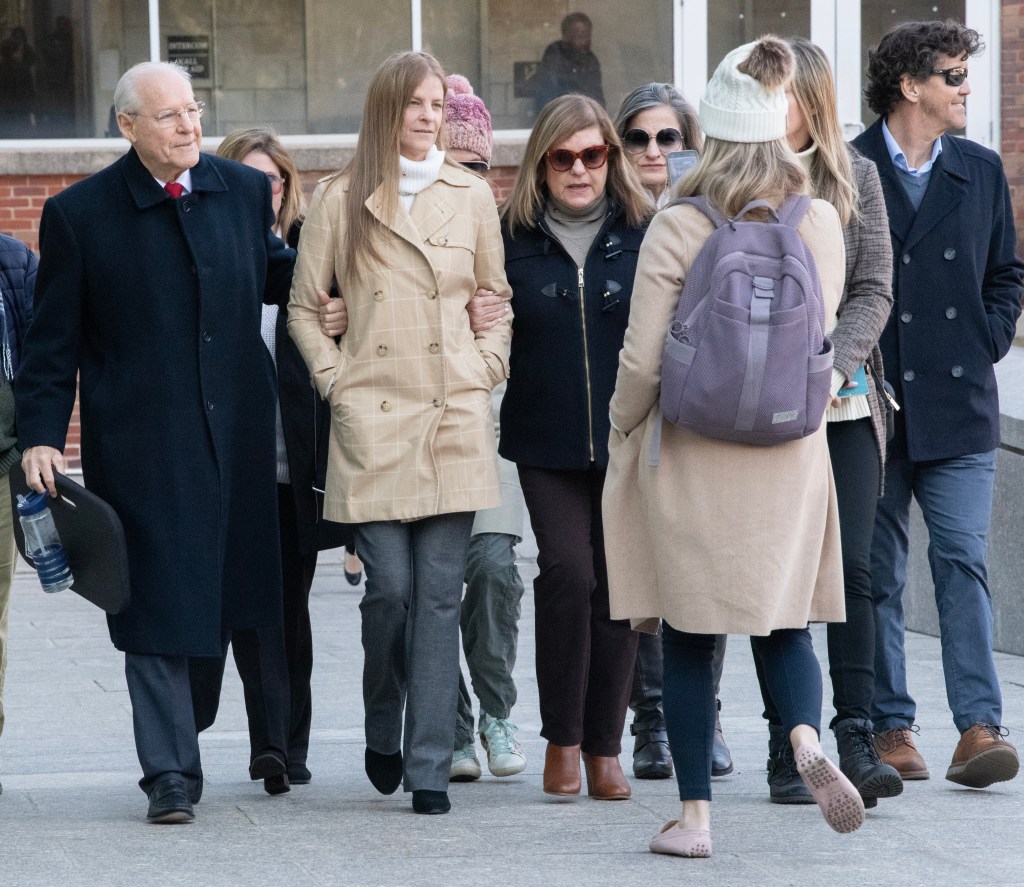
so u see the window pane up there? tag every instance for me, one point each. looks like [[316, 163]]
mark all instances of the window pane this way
[[732, 23], [501, 54], [878, 18]]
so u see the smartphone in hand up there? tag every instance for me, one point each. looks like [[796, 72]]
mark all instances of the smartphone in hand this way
[[679, 164]]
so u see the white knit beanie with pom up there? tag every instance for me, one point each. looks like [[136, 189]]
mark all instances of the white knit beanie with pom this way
[[746, 98]]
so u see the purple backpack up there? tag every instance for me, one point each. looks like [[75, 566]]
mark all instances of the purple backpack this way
[[746, 357]]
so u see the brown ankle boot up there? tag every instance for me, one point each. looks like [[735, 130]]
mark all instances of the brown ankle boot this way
[[562, 769], [605, 781]]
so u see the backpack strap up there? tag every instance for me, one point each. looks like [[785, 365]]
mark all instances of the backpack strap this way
[[793, 209], [700, 202]]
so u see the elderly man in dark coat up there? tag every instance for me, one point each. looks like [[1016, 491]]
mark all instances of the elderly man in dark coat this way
[[149, 291]]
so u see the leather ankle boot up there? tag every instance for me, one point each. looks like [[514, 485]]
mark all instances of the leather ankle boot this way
[[785, 786], [721, 758], [562, 769], [860, 763], [605, 780], [651, 756]]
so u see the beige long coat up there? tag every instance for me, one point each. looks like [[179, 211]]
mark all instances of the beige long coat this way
[[719, 537], [410, 384]]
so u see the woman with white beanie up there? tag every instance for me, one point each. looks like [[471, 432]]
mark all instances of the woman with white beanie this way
[[726, 537]]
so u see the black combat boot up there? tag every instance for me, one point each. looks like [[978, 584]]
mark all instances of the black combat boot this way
[[784, 783], [860, 763]]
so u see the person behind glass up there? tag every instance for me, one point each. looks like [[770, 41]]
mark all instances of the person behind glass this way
[[855, 429], [569, 65], [653, 121], [958, 283], [18, 266], [276, 664], [494, 589], [756, 549], [409, 236], [572, 228]]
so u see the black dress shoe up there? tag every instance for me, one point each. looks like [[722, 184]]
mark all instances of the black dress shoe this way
[[298, 774], [266, 765], [430, 802], [277, 785], [651, 756], [384, 771], [195, 794], [169, 803], [721, 758]]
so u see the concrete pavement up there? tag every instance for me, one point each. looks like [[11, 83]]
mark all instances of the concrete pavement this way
[[71, 813]]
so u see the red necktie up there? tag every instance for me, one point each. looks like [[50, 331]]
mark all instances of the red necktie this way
[[175, 189]]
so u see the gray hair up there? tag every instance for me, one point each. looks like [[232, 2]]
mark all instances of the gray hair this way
[[654, 95], [126, 94]]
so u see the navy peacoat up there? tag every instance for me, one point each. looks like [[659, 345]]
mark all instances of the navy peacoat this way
[[957, 285], [154, 304]]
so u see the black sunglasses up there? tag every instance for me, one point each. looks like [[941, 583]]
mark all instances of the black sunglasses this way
[[637, 140], [477, 166], [562, 159], [954, 76]]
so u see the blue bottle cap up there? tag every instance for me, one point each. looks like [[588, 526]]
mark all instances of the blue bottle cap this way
[[31, 504]]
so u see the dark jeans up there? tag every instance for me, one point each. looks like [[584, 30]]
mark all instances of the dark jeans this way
[[584, 658], [851, 644], [645, 699], [792, 674]]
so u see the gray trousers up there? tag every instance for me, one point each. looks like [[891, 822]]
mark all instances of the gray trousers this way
[[410, 632], [490, 629], [645, 699]]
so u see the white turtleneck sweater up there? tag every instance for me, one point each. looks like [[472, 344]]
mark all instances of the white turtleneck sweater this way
[[417, 175]]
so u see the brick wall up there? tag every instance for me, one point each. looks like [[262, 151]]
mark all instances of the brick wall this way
[[21, 204], [1012, 107]]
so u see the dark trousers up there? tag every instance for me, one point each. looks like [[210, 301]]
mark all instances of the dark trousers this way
[[275, 664], [851, 644], [166, 739], [584, 658], [645, 698], [791, 672]]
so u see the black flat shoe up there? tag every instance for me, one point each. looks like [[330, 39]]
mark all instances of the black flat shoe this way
[[169, 803], [266, 765], [353, 578], [384, 771], [298, 774], [277, 785], [430, 802]]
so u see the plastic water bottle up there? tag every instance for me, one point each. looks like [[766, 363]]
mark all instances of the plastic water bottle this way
[[42, 543]]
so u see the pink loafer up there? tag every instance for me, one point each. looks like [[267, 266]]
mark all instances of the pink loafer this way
[[676, 841], [839, 801]]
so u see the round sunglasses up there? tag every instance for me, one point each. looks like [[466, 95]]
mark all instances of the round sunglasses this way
[[637, 140], [562, 159], [954, 76]]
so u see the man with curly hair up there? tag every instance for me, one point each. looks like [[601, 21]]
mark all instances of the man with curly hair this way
[[957, 288]]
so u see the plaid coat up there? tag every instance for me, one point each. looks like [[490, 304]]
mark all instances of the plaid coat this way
[[409, 385]]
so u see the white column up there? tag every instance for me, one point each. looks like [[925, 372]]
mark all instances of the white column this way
[[983, 111], [154, 30], [690, 50], [416, 11]]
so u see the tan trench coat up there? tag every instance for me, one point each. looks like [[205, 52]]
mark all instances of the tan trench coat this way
[[410, 384], [719, 537]]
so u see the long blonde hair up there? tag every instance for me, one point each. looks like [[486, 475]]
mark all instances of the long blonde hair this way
[[375, 162], [814, 91], [558, 121], [242, 142]]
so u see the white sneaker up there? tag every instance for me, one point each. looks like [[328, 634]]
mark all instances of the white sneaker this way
[[465, 765], [504, 753]]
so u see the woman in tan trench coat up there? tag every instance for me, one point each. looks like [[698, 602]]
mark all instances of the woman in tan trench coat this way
[[409, 236], [724, 537]]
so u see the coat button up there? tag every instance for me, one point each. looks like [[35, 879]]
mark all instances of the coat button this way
[[385, 406], [209, 405], [437, 401], [908, 376], [951, 313], [378, 296], [432, 294], [906, 259], [433, 347], [206, 336], [443, 241], [956, 372], [906, 316], [949, 254], [382, 350]]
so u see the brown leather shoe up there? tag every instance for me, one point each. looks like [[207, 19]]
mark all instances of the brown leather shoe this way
[[605, 781], [896, 748], [982, 757], [562, 769]]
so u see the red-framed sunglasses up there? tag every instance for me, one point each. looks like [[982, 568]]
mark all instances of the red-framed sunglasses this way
[[562, 159]]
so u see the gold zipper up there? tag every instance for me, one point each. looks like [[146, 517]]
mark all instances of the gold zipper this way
[[586, 366]]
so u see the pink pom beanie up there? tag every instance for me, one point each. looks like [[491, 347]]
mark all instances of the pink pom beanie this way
[[468, 122]]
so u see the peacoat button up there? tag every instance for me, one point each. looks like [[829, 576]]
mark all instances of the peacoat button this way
[[437, 401], [951, 312], [433, 347], [949, 254], [906, 316], [206, 336], [908, 375], [378, 296], [209, 405], [906, 259], [382, 350], [385, 406], [956, 372]]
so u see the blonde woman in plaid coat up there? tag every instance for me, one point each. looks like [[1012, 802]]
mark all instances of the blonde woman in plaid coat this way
[[409, 236]]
